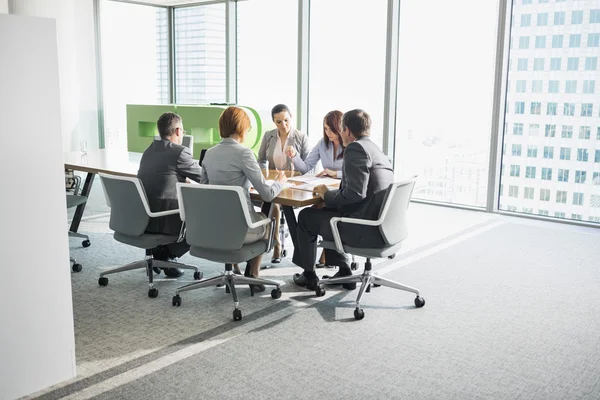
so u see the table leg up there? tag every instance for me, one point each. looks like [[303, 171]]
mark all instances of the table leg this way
[[87, 188], [290, 217]]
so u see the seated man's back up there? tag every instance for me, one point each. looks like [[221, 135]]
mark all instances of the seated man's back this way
[[163, 164]]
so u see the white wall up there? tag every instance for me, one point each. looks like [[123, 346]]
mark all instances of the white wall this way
[[76, 62], [3, 6], [37, 344]]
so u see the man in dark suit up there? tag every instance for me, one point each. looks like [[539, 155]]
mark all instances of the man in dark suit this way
[[164, 163], [367, 173]]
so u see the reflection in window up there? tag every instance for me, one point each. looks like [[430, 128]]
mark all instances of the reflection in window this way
[[200, 74], [267, 66], [334, 85], [447, 143], [134, 63]]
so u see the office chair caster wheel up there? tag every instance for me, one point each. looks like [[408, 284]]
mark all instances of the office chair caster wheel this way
[[86, 243], [198, 275], [354, 266], [276, 293], [153, 293], [176, 300], [419, 302], [320, 291], [103, 281], [375, 284], [237, 314], [392, 256], [77, 267], [359, 314]]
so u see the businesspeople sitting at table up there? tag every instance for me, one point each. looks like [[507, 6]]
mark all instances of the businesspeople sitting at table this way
[[164, 163], [232, 164], [329, 150], [272, 151], [366, 174]]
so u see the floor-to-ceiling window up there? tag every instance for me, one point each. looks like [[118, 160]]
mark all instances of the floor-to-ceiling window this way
[[445, 94], [134, 57], [551, 152], [267, 55], [347, 61], [200, 54]]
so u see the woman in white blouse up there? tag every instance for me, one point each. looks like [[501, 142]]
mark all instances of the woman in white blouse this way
[[330, 150], [272, 151]]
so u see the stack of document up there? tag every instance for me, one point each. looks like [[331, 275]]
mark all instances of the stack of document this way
[[311, 181]]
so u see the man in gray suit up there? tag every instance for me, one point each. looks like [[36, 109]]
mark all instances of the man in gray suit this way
[[367, 173], [164, 163]]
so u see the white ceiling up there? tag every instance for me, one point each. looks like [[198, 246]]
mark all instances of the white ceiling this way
[[165, 2]]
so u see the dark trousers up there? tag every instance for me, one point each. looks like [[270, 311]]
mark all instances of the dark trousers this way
[[313, 222], [178, 249]]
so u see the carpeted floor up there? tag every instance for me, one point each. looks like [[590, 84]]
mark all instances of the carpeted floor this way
[[513, 312]]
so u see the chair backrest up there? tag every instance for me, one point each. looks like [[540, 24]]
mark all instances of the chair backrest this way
[[188, 141], [394, 227], [216, 217], [128, 204]]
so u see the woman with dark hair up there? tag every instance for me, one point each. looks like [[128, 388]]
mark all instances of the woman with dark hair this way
[[232, 164], [330, 150], [272, 151]]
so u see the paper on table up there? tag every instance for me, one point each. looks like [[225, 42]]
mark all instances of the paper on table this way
[[302, 178], [325, 181]]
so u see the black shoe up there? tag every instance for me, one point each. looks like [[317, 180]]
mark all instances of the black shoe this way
[[309, 283], [173, 272], [340, 274], [256, 287]]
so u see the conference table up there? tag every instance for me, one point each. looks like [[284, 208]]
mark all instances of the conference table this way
[[127, 163]]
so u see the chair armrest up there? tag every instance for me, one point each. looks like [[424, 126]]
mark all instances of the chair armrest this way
[[336, 233], [271, 234], [162, 213], [259, 223]]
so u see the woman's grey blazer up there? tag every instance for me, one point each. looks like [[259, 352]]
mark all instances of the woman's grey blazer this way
[[296, 139]]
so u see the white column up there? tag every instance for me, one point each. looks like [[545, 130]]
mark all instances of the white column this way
[[76, 67], [3, 6], [37, 342]]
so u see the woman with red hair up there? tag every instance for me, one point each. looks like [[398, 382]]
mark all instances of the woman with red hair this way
[[232, 164]]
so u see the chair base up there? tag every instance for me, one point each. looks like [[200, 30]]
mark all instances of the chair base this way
[[229, 279], [148, 263], [367, 279]]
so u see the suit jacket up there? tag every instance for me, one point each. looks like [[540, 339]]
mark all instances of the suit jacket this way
[[163, 165], [296, 139], [231, 164], [367, 173]]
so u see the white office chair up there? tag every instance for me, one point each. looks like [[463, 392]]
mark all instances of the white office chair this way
[[393, 227], [204, 207], [129, 217]]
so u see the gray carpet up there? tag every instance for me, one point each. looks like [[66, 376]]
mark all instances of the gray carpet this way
[[511, 313]]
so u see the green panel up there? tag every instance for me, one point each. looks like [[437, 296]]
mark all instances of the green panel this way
[[200, 121], [147, 129], [141, 124]]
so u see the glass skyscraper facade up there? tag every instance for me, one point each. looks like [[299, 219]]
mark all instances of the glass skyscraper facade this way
[[551, 147]]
